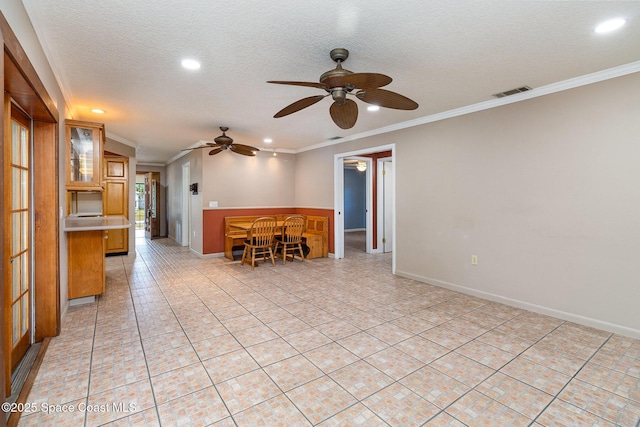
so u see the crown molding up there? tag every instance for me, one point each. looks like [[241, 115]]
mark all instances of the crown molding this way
[[159, 165], [121, 140], [572, 83]]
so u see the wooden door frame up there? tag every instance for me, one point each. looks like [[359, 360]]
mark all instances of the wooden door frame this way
[[147, 204], [154, 175], [20, 79]]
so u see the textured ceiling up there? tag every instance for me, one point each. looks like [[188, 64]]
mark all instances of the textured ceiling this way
[[124, 57]]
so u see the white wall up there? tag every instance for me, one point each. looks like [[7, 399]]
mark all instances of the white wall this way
[[240, 181], [546, 192], [174, 197], [233, 181], [314, 170]]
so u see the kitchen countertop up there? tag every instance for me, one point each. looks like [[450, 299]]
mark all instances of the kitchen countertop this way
[[88, 223]]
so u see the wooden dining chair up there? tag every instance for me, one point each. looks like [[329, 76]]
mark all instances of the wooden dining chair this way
[[260, 241], [291, 237]]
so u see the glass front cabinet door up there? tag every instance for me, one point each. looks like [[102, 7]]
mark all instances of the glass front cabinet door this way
[[85, 142]]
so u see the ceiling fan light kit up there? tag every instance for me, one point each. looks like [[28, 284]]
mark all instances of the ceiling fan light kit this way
[[223, 143], [339, 83]]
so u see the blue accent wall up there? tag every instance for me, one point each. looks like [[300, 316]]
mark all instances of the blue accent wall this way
[[355, 199]]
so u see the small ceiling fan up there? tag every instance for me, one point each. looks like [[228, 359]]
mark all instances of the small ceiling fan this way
[[339, 83], [224, 142]]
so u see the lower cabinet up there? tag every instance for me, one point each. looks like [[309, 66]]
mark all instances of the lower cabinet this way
[[314, 241], [86, 251], [117, 241], [317, 246]]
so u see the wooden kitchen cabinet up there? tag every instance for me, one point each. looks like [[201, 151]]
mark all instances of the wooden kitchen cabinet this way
[[86, 263], [116, 167], [84, 145], [86, 245], [115, 201]]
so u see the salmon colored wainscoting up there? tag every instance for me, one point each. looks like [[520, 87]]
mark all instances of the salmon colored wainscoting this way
[[213, 223]]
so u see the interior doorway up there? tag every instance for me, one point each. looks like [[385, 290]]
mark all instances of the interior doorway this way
[[139, 208], [356, 200], [152, 205], [374, 237]]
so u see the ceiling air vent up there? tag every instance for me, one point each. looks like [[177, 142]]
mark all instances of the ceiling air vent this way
[[333, 138], [512, 92]]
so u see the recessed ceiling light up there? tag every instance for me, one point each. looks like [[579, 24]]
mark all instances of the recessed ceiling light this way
[[97, 111], [610, 25], [268, 140], [373, 108], [190, 64]]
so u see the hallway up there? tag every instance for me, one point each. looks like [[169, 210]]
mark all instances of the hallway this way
[[180, 340]]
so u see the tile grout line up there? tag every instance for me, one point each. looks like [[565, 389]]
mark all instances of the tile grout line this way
[[93, 340], [494, 373], [144, 354], [168, 279], [556, 397], [200, 360]]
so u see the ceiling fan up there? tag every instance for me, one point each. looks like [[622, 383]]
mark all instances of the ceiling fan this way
[[224, 142], [339, 83]]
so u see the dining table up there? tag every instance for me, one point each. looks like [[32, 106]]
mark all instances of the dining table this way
[[247, 225]]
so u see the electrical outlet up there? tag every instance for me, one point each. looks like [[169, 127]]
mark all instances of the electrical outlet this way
[[474, 259]]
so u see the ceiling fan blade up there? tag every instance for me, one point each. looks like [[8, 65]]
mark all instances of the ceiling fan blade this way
[[299, 105], [344, 115], [245, 147], [367, 80], [197, 148], [308, 84], [387, 99], [245, 150], [216, 151]]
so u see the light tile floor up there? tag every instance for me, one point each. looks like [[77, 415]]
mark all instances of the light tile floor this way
[[179, 340]]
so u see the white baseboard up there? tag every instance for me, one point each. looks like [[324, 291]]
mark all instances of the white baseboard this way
[[83, 300], [201, 255], [64, 310], [571, 317]]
